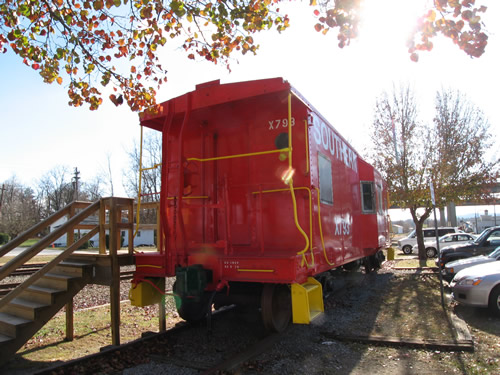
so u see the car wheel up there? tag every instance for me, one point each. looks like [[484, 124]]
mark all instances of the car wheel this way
[[430, 252], [494, 300], [407, 249]]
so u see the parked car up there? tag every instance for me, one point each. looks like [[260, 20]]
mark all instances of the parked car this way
[[478, 286], [452, 268], [446, 240], [488, 241], [407, 243]]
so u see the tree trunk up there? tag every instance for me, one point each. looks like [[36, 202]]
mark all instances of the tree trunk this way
[[419, 224]]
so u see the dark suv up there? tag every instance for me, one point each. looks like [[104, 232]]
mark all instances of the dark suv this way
[[488, 241]]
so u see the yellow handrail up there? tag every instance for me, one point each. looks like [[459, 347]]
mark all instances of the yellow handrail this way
[[139, 192], [292, 192], [310, 247], [238, 155], [137, 217], [321, 232], [307, 146]]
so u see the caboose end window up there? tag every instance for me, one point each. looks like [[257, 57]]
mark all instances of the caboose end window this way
[[367, 197], [325, 179]]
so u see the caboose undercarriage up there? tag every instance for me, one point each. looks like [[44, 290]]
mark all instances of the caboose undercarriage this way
[[196, 294]]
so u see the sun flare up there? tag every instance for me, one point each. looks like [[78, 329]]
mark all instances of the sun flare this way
[[389, 23]]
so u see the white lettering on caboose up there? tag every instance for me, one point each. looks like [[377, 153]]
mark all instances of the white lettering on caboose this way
[[332, 143]]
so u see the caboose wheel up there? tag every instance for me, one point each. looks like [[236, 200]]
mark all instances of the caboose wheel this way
[[276, 307], [191, 310]]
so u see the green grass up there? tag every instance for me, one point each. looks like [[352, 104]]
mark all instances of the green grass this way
[[415, 263], [29, 242]]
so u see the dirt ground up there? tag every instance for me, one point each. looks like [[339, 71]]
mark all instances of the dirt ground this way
[[392, 302], [401, 304]]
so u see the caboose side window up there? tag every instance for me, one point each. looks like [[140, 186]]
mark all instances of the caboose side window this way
[[379, 199], [325, 179], [367, 197]]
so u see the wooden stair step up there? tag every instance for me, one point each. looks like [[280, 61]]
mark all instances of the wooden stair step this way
[[42, 289], [41, 294], [10, 323], [5, 338], [56, 280], [24, 308], [28, 304]]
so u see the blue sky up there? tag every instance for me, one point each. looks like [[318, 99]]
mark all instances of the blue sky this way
[[40, 131]]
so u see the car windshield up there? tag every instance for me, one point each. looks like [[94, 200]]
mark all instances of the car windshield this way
[[443, 238], [482, 236], [495, 253]]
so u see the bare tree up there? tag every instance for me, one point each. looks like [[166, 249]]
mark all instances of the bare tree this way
[[92, 190], [461, 138], [19, 209], [151, 175], [151, 164], [401, 152], [56, 189], [450, 153], [109, 175]]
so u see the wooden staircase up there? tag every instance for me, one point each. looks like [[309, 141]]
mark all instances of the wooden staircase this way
[[24, 315], [27, 308]]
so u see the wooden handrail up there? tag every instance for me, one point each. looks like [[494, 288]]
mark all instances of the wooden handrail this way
[[30, 252], [27, 234], [33, 230], [40, 273]]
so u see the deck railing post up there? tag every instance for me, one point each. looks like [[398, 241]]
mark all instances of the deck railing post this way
[[102, 227], [115, 272], [70, 239]]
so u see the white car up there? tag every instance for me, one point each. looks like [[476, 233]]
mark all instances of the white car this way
[[446, 240], [452, 268], [406, 244], [478, 286]]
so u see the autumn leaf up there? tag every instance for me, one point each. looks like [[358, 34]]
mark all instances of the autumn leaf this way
[[116, 100], [91, 39], [59, 80]]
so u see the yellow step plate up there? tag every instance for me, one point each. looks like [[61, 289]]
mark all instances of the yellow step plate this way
[[307, 301]]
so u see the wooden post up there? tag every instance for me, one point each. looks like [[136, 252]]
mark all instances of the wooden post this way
[[115, 273], [162, 312], [158, 229], [70, 239], [102, 228], [131, 227], [69, 320]]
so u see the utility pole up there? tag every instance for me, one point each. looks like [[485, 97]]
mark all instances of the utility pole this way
[[1, 197], [75, 183]]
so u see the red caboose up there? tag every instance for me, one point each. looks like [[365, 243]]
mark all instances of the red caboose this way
[[259, 196]]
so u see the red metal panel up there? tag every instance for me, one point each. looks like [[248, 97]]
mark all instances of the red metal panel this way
[[224, 203]]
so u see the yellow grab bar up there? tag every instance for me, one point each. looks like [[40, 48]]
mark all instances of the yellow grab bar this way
[[239, 155], [321, 232]]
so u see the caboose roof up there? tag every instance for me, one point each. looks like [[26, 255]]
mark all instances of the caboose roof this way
[[212, 93]]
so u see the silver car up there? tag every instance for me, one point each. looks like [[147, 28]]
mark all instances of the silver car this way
[[446, 240], [452, 268], [478, 286]]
